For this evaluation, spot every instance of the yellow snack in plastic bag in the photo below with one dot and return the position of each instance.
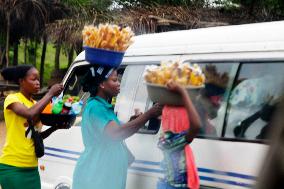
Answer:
(182, 73)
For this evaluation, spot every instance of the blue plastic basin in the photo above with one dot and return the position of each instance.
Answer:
(103, 56)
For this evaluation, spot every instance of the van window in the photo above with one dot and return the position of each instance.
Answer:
(143, 103)
(73, 86)
(128, 91)
(257, 89)
(211, 103)
(132, 96)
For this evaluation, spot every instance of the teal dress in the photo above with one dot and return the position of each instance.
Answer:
(104, 162)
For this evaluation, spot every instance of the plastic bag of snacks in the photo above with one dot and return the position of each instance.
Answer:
(183, 73)
(61, 110)
(105, 44)
(187, 75)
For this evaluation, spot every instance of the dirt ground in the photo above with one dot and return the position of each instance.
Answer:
(2, 135)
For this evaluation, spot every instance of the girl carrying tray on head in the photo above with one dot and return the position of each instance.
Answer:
(105, 159)
(180, 125)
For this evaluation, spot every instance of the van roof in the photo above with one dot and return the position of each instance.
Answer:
(214, 39)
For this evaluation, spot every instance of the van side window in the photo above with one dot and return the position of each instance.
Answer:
(128, 91)
(211, 103)
(257, 90)
(73, 87)
(133, 95)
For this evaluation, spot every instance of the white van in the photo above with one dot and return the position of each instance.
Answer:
(246, 68)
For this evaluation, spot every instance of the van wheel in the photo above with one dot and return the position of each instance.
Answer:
(63, 186)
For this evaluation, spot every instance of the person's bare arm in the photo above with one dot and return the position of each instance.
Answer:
(122, 132)
(193, 116)
(34, 111)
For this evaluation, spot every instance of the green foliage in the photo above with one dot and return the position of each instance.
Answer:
(141, 3)
(265, 8)
(49, 60)
(77, 3)
(99, 5)
(102, 5)
(272, 7)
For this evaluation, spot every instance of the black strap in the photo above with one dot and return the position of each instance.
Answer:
(38, 141)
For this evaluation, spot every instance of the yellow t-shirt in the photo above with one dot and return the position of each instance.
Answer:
(18, 150)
